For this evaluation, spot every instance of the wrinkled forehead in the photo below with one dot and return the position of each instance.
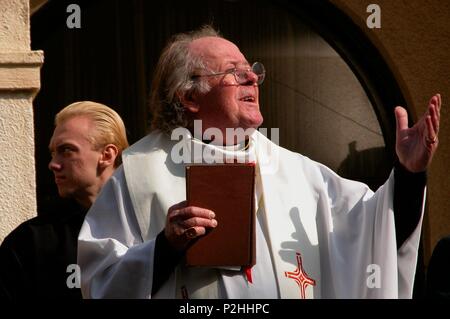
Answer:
(216, 52)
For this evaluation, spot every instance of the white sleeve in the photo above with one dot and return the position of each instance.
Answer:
(363, 241)
(114, 261)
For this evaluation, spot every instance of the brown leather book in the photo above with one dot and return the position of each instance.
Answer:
(228, 190)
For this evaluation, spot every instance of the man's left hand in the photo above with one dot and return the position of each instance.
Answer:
(415, 146)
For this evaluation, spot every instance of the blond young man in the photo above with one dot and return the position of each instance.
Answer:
(38, 259)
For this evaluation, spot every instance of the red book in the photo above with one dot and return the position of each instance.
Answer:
(227, 190)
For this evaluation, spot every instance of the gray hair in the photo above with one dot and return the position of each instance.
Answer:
(173, 78)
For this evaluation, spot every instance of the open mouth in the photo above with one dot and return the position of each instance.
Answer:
(248, 99)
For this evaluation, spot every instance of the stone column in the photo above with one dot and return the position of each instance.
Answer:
(19, 83)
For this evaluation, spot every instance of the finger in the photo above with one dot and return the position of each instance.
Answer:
(431, 134)
(434, 101)
(439, 104)
(197, 221)
(191, 211)
(173, 210)
(401, 117)
(194, 232)
(439, 101)
(177, 206)
(434, 117)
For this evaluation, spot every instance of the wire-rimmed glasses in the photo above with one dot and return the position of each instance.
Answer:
(242, 76)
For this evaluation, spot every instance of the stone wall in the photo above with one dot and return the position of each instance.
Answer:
(19, 83)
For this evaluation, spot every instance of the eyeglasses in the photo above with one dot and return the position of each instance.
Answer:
(242, 75)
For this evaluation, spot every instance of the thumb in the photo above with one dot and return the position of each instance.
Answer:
(401, 117)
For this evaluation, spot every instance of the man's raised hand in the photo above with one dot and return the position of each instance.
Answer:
(415, 146)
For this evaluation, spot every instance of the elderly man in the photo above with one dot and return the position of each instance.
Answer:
(317, 235)
(38, 259)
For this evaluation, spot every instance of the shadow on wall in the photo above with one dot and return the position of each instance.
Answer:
(371, 166)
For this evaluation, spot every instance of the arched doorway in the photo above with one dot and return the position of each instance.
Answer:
(328, 88)
(331, 99)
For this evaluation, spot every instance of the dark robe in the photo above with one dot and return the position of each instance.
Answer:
(438, 275)
(35, 256)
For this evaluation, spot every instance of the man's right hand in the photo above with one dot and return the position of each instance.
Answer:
(184, 223)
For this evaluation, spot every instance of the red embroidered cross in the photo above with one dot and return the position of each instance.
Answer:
(300, 277)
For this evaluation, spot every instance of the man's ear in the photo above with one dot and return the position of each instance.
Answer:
(108, 156)
(189, 101)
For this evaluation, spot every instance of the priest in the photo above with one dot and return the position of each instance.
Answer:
(317, 235)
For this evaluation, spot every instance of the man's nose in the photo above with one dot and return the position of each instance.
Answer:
(54, 165)
(251, 78)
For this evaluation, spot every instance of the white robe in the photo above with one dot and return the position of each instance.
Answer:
(342, 233)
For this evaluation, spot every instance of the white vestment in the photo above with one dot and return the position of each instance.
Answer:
(318, 235)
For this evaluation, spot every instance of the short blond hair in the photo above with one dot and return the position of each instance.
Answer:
(109, 127)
